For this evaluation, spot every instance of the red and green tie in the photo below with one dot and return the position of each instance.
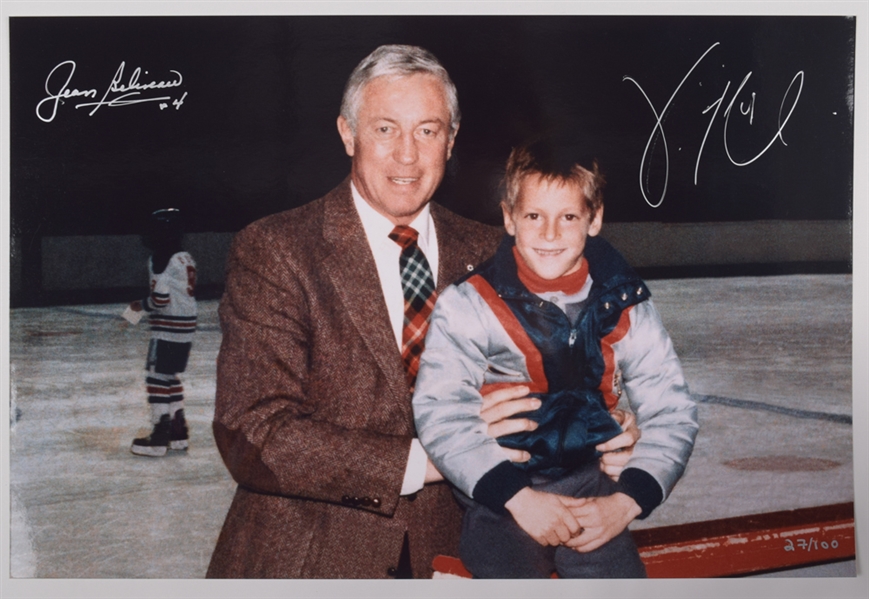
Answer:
(419, 297)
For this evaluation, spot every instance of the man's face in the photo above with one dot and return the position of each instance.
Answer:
(551, 224)
(402, 144)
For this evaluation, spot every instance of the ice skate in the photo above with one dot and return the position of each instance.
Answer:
(155, 444)
(178, 434)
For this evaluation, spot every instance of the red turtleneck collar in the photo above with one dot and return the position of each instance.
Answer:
(568, 284)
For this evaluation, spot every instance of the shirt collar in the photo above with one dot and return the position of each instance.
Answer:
(378, 227)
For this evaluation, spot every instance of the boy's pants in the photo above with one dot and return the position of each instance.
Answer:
(494, 546)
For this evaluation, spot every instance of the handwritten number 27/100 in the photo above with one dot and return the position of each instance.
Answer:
(810, 544)
(658, 128)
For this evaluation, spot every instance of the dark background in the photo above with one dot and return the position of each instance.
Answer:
(256, 131)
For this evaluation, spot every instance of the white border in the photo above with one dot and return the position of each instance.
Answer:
(786, 588)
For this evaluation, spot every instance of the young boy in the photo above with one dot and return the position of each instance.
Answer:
(171, 306)
(558, 311)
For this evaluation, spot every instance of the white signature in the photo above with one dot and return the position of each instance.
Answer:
(118, 93)
(744, 109)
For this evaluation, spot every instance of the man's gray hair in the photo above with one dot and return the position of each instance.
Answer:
(401, 61)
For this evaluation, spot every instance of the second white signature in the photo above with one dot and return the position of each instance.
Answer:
(121, 91)
(786, 108)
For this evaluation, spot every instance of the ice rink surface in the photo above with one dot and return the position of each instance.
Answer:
(767, 358)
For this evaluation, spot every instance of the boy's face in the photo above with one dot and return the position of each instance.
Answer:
(551, 223)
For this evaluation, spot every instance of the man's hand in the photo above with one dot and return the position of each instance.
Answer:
(499, 406)
(601, 519)
(618, 450)
(136, 306)
(544, 516)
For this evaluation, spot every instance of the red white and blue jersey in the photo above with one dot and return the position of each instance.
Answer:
(172, 301)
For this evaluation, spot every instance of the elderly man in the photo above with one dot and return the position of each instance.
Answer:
(323, 320)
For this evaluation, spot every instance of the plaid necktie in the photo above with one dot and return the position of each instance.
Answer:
(419, 297)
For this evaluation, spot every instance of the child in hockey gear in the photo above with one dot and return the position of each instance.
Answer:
(171, 306)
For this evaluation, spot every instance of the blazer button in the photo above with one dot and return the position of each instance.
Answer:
(375, 502)
(391, 571)
(365, 501)
(346, 500)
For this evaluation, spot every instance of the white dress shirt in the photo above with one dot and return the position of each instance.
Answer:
(386, 256)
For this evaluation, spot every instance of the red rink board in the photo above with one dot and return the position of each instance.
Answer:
(749, 544)
(736, 546)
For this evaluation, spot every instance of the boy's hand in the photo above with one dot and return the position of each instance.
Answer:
(499, 406)
(618, 450)
(601, 518)
(544, 516)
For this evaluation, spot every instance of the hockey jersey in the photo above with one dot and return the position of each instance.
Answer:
(172, 302)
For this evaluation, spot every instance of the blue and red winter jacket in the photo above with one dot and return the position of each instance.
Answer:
(489, 331)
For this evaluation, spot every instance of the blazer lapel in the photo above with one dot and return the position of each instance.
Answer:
(453, 254)
(350, 266)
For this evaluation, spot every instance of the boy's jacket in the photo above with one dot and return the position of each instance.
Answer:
(489, 331)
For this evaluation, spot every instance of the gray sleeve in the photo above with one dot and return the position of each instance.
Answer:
(447, 400)
(657, 392)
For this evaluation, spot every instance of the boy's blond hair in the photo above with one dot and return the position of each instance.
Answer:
(554, 161)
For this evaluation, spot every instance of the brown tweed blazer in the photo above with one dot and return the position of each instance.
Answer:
(313, 416)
